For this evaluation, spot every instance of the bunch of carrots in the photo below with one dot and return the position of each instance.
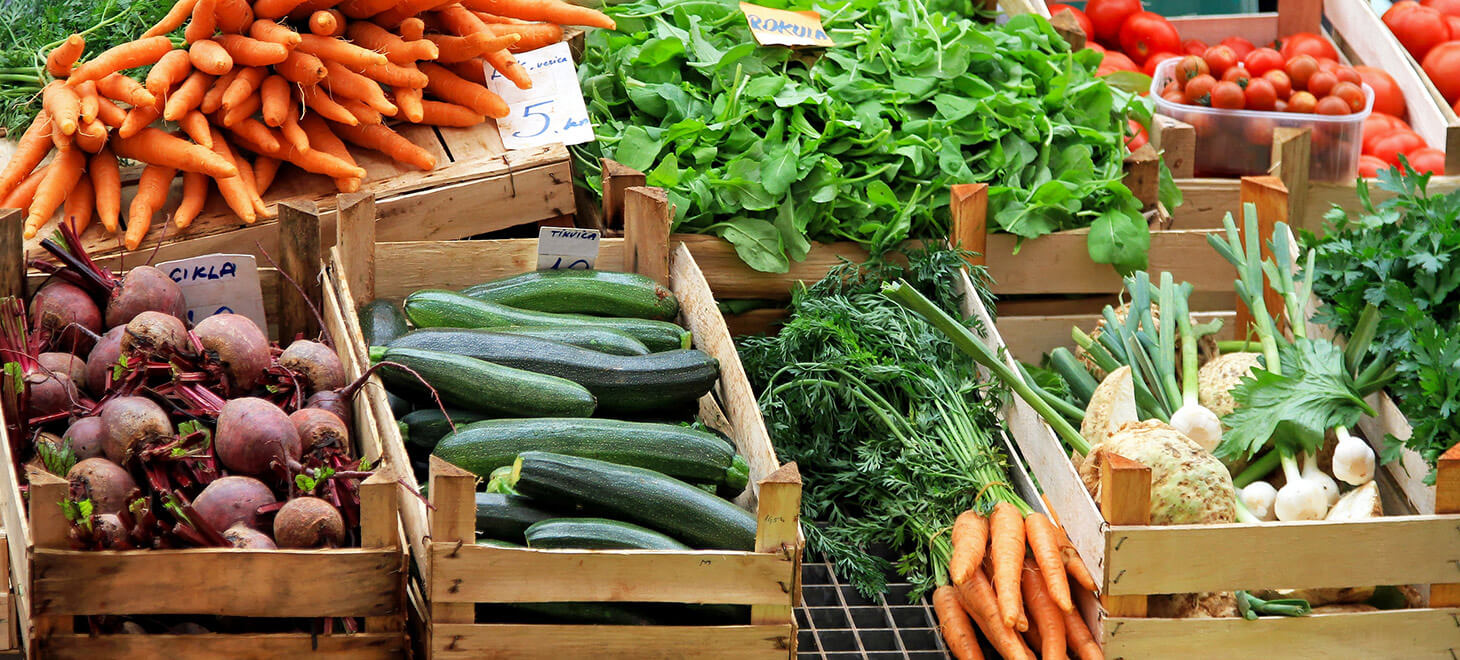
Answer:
(289, 81)
(1010, 573)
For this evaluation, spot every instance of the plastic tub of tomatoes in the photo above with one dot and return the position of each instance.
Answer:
(1235, 113)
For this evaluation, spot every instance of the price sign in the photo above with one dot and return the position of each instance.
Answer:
(219, 284)
(779, 27)
(566, 248)
(552, 111)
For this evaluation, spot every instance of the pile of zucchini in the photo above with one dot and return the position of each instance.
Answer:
(570, 394)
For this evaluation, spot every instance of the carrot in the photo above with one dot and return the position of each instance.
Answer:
(363, 113)
(121, 57)
(412, 29)
(365, 8)
(450, 87)
(339, 50)
(63, 57)
(89, 99)
(1044, 545)
(187, 97)
(1079, 639)
(978, 599)
(154, 146)
(231, 186)
(265, 168)
(106, 186)
(302, 68)
(61, 177)
(79, 205)
(109, 113)
(293, 133)
(151, 193)
(311, 160)
(194, 193)
(33, 146)
(319, 101)
(302, 11)
(493, 19)
(346, 83)
(21, 197)
(239, 112)
(503, 62)
(471, 70)
(214, 98)
(394, 75)
(118, 87)
(172, 21)
(970, 540)
(245, 173)
(234, 16)
(139, 118)
(395, 49)
(210, 56)
(388, 142)
(437, 113)
(195, 125)
(274, 33)
(243, 86)
(460, 21)
(63, 104)
(954, 624)
(91, 136)
(274, 9)
(547, 11)
(456, 49)
(327, 23)
(169, 71)
(1073, 565)
(275, 97)
(204, 23)
(248, 51)
(409, 101)
(406, 9)
(259, 134)
(1006, 550)
(534, 35)
(1047, 617)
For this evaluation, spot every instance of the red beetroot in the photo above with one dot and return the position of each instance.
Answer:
(144, 289)
(319, 428)
(231, 501)
(150, 330)
(102, 358)
(59, 304)
(49, 393)
(109, 533)
(107, 484)
(248, 538)
(65, 363)
(333, 401)
(241, 347)
(308, 522)
(86, 437)
(253, 434)
(318, 365)
(130, 423)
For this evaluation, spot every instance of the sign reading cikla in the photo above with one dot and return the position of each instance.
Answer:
(219, 284)
(780, 27)
(552, 111)
(566, 248)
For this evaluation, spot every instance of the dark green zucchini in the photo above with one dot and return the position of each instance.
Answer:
(597, 534)
(507, 517)
(422, 429)
(381, 321)
(600, 293)
(434, 308)
(603, 340)
(481, 386)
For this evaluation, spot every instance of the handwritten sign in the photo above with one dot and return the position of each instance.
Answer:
(779, 27)
(219, 284)
(552, 111)
(566, 248)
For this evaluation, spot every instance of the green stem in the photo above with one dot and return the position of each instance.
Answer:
(1244, 515)
(1257, 469)
(1236, 346)
(1188, 353)
(1068, 409)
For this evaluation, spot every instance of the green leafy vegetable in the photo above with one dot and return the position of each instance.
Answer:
(1314, 393)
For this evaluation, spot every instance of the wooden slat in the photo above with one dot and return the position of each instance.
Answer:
(1143, 175)
(1125, 499)
(12, 276)
(1270, 197)
(453, 531)
(18, 535)
(1421, 634)
(730, 278)
(239, 647)
(300, 259)
(1447, 501)
(647, 216)
(778, 531)
(969, 207)
(1409, 471)
(1257, 28)
(1177, 142)
(1292, 150)
(355, 240)
(1299, 16)
(617, 179)
(1060, 263)
(559, 642)
(50, 530)
(401, 268)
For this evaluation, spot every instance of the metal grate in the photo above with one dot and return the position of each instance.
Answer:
(835, 622)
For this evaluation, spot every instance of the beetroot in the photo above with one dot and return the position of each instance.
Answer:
(64, 363)
(109, 533)
(233, 500)
(319, 428)
(332, 401)
(131, 422)
(241, 347)
(59, 304)
(106, 483)
(144, 289)
(253, 434)
(150, 330)
(308, 522)
(86, 436)
(49, 393)
(318, 365)
(102, 358)
(248, 538)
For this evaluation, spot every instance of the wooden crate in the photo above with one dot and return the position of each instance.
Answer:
(53, 584)
(456, 573)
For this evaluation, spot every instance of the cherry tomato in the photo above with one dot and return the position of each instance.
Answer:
(1171, 86)
(1190, 67)
(1417, 27)
(1262, 60)
(1237, 75)
(1135, 136)
(1329, 65)
(1427, 160)
(1198, 90)
(1116, 61)
(1174, 97)
(1300, 69)
(1219, 59)
(1085, 25)
(1302, 102)
(1452, 21)
(1387, 97)
(1321, 83)
(1332, 105)
(1378, 125)
(1196, 46)
(1260, 94)
(1281, 84)
(1108, 15)
(1446, 7)
(1390, 146)
(1155, 60)
(1239, 46)
(1351, 94)
(1281, 106)
(1348, 74)
(1370, 166)
(1307, 43)
(1258, 130)
(1227, 95)
(1146, 33)
(1442, 65)
(1091, 45)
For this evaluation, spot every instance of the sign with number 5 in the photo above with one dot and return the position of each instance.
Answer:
(552, 111)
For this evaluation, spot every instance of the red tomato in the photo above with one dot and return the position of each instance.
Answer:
(1417, 27)
(1219, 59)
(1239, 46)
(1258, 130)
(1155, 60)
(1370, 166)
(1260, 94)
(1108, 15)
(1446, 7)
(1174, 97)
(1282, 105)
(1348, 74)
(1300, 69)
(1378, 125)
(1146, 33)
(1190, 67)
(1262, 60)
(1136, 136)
(1351, 94)
(1427, 160)
(1116, 61)
(1329, 65)
(1170, 87)
(1321, 83)
(1094, 46)
(1281, 83)
(1442, 65)
(1080, 17)
(1237, 75)
(1332, 105)
(1452, 21)
(1307, 43)
(1198, 90)
(1389, 147)
(1302, 102)
(1387, 97)
(1228, 95)
(1197, 46)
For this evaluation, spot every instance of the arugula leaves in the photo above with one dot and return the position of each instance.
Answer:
(770, 148)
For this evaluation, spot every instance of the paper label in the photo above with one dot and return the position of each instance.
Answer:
(552, 111)
(566, 248)
(219, 284)
(779, 27)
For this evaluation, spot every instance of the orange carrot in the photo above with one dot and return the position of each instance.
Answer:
(406, 9)
(409, 101)
(79, 206)
(63, 57)
(247, 51)
(239, 112)
(493, 19)
(243, 86)
(63, 104)
(320, 102)
(339, 50)
(364, 114)
(457, 49)
(274, 33)
(234, 16)
(1079, 639)
(194, 193)
(302, 11)
(1045, 614)
(118, 87)
(169, 71)
(106, 185)
(503, 62)
(152, 190)
(91, 136)
(245, 173)
(471, 70)
(231, 187)
(204, 23)
(450, 87)
(294, 134)
(395, 49)
(534, 35)
(302, 68)
(33, 146)
(327, 23)
(187, 97)
(437, 113)
(21, 197)
(139, 118)
(273, 9)
(343, 82)
(954, 624)
(159, 148)
(365, 8)
(1006, 549)
(1044, 545)
(412, 29)
(394, 75)
(970, 540)
(978, 599)
(547, 11)
(90, 100)
(275, 97)
(265, 168)
(388, 142)
(214, 98)
(121, 57)
(460, 21)
(1073, 565)
(257, 133)
(311, 160)
(195, 125)
(172, 21)
(61, 177)
(109, 113)
(210, 56)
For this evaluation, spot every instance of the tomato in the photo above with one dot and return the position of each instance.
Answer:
(1155, 60)
(1453, 23)
(1303, 102)
(1370, 166)
(1116, 61)
(1329, 65)
(1262, 60)
(1196, 46)
(1280, 83)
(1351, 94)
(1378, 125)
(1219, 59)
(1258, 130)
(1227, 95)
(1387, 97)
(1107, 16)
(1260, 94)
(1198, 90)
(1190, 67)
(1146, 33)
(1307, 43)
(1136, 135)
(1281, 106)
(1347, 74)
(1094, 46)
(1321, 83)
(1239, 46)
(1174, 97)
(1446, 7)
(1390, 146)
(1442, 65)
(1171, 86)
(1300, 69)
(1417, 27)
(1080, 17)
(1427, 160)
(1332, 105)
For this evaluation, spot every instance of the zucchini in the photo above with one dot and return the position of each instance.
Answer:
(603, 340)
(677, 451)
(480, 386)
(597, 534)
(434, 308)
(423, 428)
(646, 497)
(381, 321)
(601, 293)
(506, 517)
(398, 406)
(620, 383)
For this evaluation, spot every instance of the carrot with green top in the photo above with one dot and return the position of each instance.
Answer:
(30, 150)
(970, 540)
(231, 187)
(265, 168)
(365, 8)
(458, 49)
(157, 147)
(507, 65)
(138, 119)
(110, 113)
(327, 23)
(339, 50)
(1044, 545)
(90, 100)
(394, 75)
(1074, 566)
(364, 114)
(295, 135)
(319, 101)
(91, 136)
(238, 113)
(256, 132)
(1045, 616)
(324, 141)
(195, 125)
(979, 600)
(395, 49)
(460, 21)
(63, 57)
(194, 194)
(547, 11)
(243, 86)
(61, 177)
(21, 197)
(534, 35)
(172, 69)
(954, 624)
(410, 103)
(274, 9)
(234, 16)
(213, 100)
(406, 9)
(106, 187)
(302, 69)
(1079, 639)
(121, 57)
(439, 113)
(275, 96)
(1006, 552)
(346, 83)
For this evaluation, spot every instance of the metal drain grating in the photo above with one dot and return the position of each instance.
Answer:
(835, 622)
